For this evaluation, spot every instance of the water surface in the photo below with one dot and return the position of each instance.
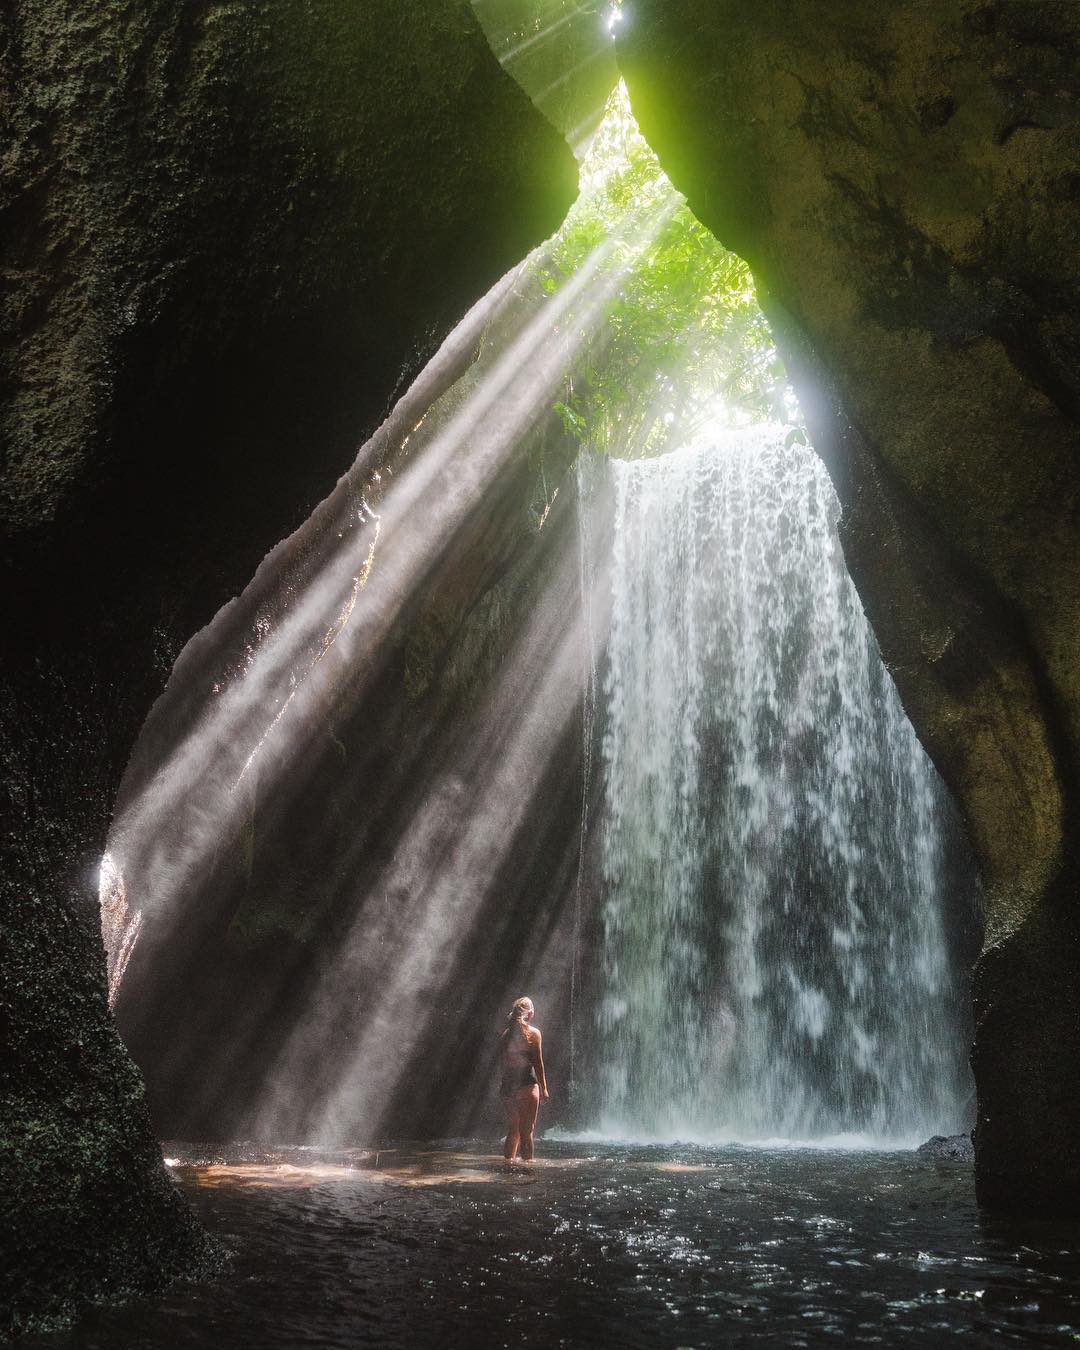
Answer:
(600, 1245)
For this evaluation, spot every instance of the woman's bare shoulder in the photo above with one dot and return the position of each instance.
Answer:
(534, 1034)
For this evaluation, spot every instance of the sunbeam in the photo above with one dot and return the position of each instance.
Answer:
(336, 614)
(431, 654)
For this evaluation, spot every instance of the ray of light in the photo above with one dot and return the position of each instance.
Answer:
(439, 878)
(544, 35)
(574, 71)
(307, 661)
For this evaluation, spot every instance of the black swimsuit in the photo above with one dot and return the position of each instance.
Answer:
(515, 1077)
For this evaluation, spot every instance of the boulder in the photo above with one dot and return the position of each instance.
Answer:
(951, 1147)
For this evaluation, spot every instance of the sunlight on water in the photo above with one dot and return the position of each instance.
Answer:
(850, 1141)
(599, 1244)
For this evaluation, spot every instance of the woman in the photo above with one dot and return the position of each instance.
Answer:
(524, 1085)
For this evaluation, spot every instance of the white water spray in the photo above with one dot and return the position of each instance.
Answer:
(774, 955)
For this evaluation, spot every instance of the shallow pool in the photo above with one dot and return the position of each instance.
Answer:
(600, 1245)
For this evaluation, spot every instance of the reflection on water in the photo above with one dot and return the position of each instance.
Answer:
(596, 1245)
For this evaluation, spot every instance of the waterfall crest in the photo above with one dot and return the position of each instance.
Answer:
(774, 959)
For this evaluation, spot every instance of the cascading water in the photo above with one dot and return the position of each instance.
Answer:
(774, 954)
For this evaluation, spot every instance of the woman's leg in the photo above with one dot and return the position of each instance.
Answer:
(528, 1105)
(513, 1129)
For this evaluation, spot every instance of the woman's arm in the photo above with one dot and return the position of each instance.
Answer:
(538, 1063)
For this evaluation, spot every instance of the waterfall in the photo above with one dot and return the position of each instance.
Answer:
(774, 955)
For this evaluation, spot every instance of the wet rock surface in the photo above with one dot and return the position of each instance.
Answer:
(955, 1147)
(231, 233)
(902, 185)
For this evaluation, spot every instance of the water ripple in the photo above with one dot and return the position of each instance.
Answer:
(634, 1248)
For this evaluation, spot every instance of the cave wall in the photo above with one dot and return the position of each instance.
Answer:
(903, 182)
(369, 837)
(231, 232)
(561, 54)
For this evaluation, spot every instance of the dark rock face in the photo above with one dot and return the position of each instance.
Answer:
(231, 232)
(904, 185)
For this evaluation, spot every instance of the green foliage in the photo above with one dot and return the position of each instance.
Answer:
(683, 341)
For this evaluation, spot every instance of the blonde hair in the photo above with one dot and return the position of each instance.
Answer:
(519, 1010)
